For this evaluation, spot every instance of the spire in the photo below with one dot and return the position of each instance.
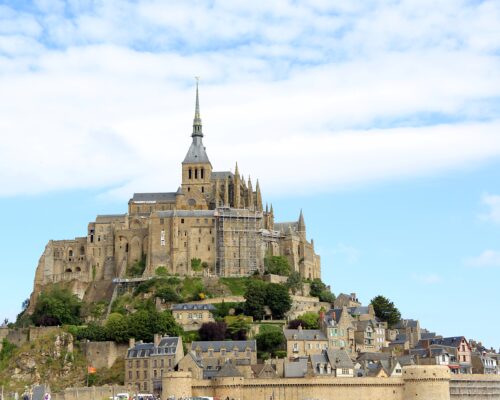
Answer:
(258, 197)
(197, 128)
(251, 205)
(236, 171)
(301, 226)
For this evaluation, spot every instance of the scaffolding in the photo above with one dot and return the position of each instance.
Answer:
(238, 241)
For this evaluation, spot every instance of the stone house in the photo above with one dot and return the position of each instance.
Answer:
(264, 371)
(346, 300)
(215, 354)
(304, 342)
(332, 362)
(338, 326)
(410, 330)
(461, 349)
(369, 335)
(146, 363)
(482, 363)
(192, 315)
(436, 355)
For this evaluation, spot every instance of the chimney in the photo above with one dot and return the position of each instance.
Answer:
(321, 316)
(300, 327)
(131, 343)
(157, 339)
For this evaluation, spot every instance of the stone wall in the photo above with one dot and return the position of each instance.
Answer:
(476, 387)
(90, 393)
(103, 354)
(428, 383)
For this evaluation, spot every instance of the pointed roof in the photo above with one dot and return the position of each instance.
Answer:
(197, 153)
(301, 224)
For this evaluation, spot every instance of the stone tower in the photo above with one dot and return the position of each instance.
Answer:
(196, 167)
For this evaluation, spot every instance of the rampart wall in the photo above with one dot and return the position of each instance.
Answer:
(89, 393)
(417, 382)
(475, 387)
(103, 354)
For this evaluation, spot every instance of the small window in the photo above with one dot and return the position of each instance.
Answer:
(202, 173)
(190, 173)
(182, 220)
(202, 189)
(196, 173)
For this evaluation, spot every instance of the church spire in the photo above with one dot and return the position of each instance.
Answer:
(197, 127)
(301, 228)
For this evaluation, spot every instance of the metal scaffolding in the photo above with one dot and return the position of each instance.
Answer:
(238, 238)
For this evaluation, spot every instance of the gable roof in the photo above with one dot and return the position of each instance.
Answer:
(453, 341)
(304, 334)
(192, 307)
(228, 345)
(296, 369)
(167, 197)
(228, 370)
(339, 359)
(167, 345)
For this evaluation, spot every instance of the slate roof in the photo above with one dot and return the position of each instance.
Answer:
(358, 310)
(221, 175)
(228, 370)
(453, 341)
(186, 213)
(304, 334)
(339, 359)
(168, 345)
(296, 369)
(168, 197)
(259, 368)
(228, 345)
(192, 307)
(333, 314)
(285, 226)
(196, 153)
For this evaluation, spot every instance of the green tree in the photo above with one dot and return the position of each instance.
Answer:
(161, 271)
(57, 307)
(238, 327)
(278, 300)
(277, 265)
(385, 310)
(116, 328)
(310, 320)
(168, 294)
(92, 332)
(255, 296)
(270, 341)
(294, 282)
(320, 290)
(196, 264)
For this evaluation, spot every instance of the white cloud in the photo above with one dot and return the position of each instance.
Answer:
(341, 94)
(427, 279)
(493, 203)
(488, 258)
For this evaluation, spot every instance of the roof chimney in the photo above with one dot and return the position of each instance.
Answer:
(131, 343)
(300, 327)
(157, 339)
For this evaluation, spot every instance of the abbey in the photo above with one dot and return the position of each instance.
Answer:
(215, 220)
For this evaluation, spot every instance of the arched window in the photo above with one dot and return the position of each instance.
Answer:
(202, 173)
(82, 251)
(126, 248)
(70, 253)
(190, 173)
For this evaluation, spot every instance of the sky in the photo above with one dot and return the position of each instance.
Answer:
(380, 119)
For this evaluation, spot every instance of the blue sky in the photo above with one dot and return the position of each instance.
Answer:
(379, 118)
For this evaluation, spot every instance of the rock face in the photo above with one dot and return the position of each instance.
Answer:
(50, 357)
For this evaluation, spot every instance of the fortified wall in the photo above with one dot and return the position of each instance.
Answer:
(417, 382)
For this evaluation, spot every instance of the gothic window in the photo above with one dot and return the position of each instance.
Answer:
(190, 173)
(196, 173)
(202, 173)
(82, 251)
(70, 253)
(126, 248)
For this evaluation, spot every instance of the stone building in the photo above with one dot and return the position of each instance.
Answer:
(192, 315)
(338, 325)
(146, 363)
(215, 354)
(304, 342)
(215, 219)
